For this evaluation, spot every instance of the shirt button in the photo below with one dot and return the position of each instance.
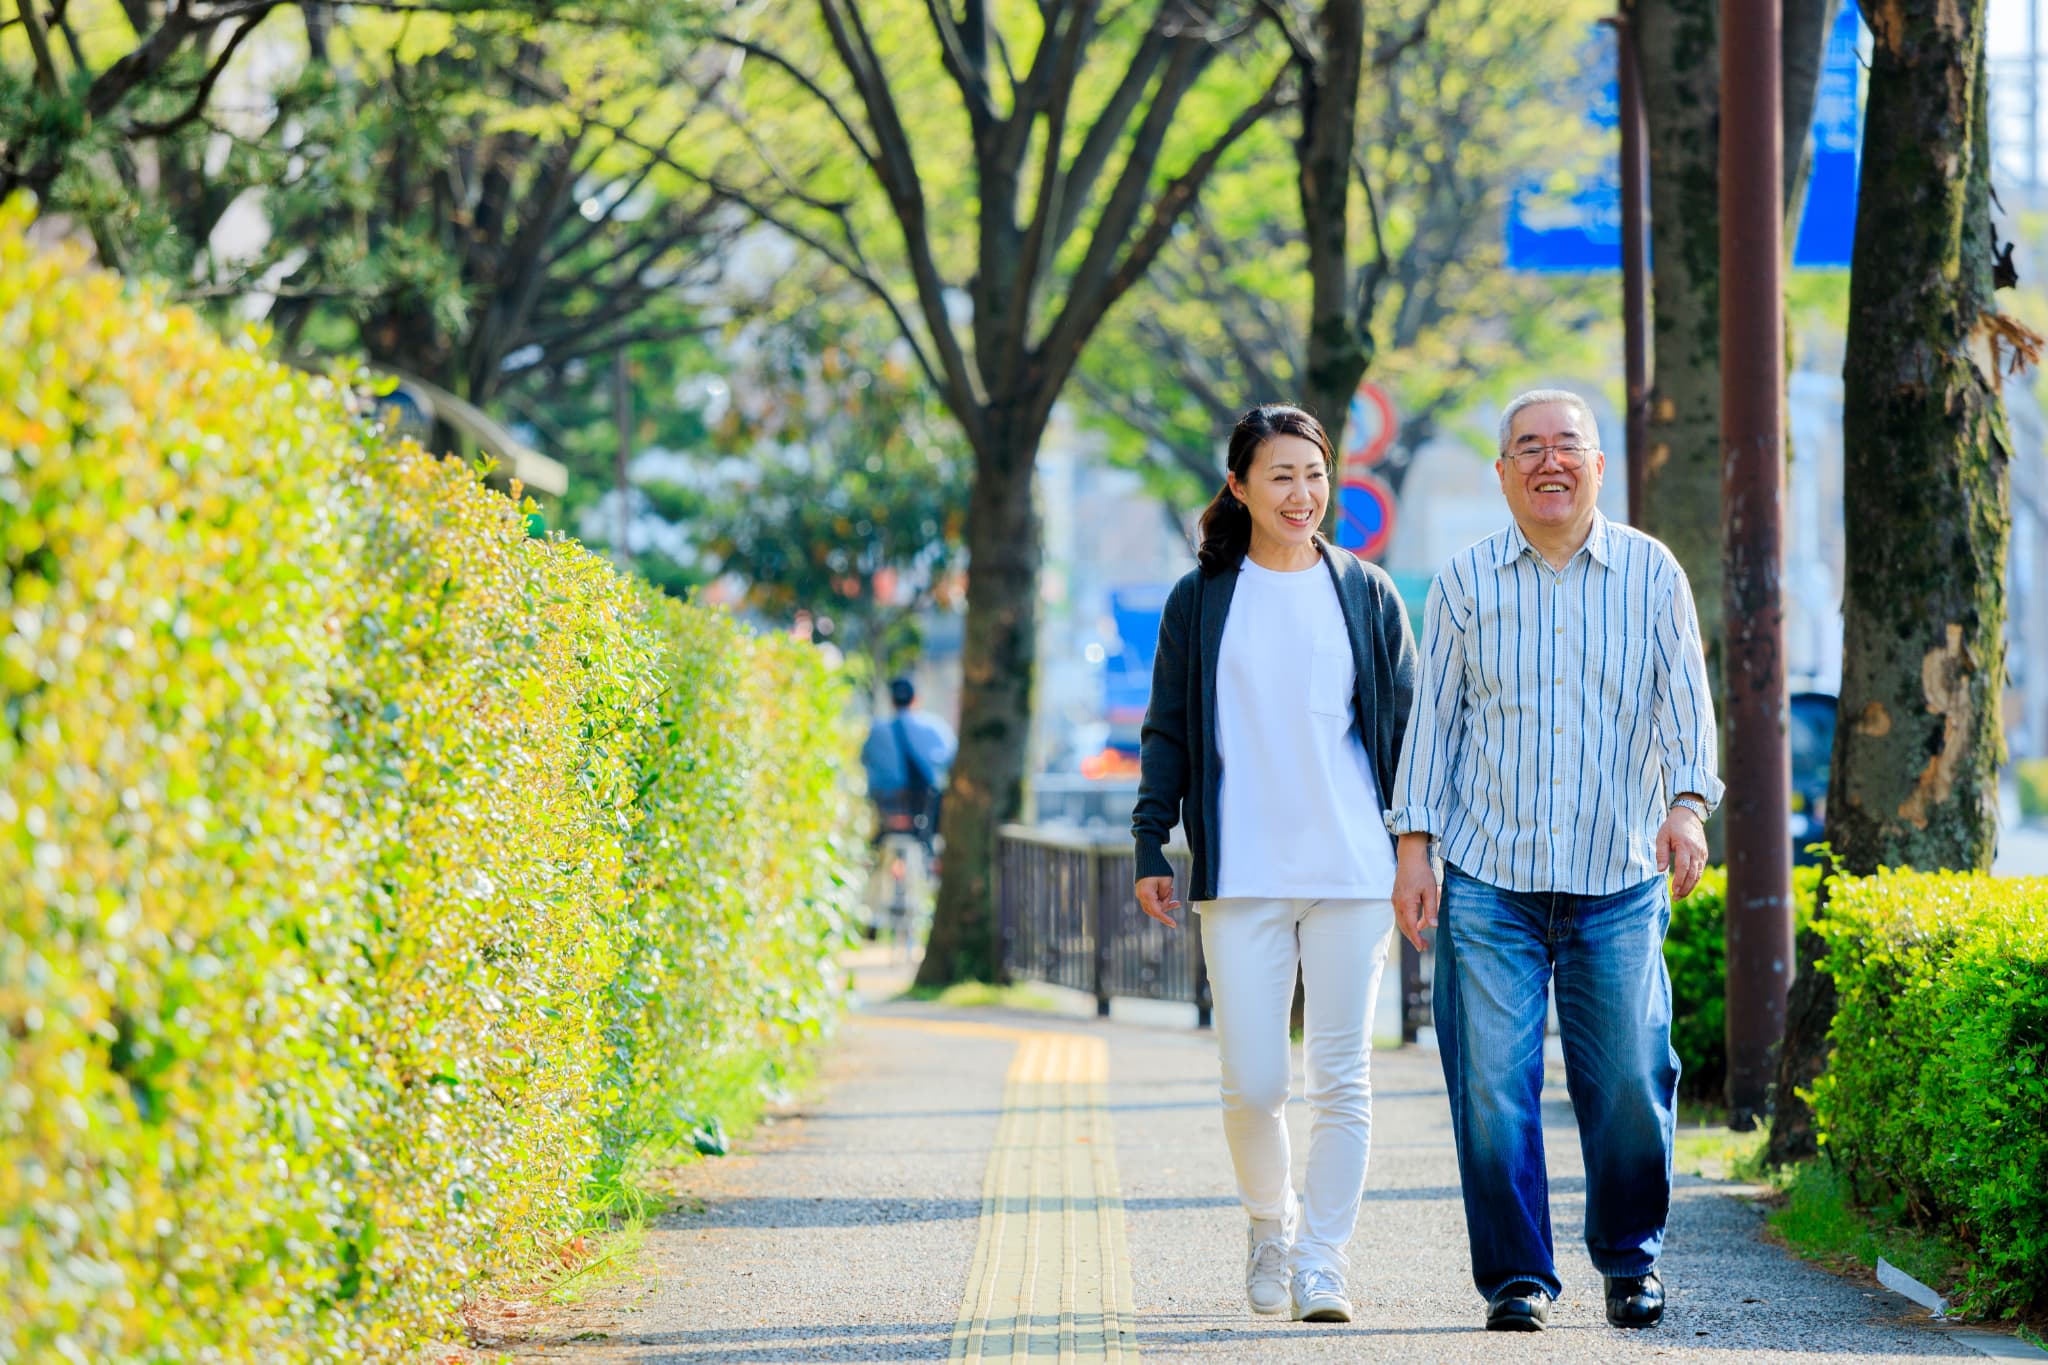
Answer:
(1557, 730)
(1557, 630)
(1557, 682)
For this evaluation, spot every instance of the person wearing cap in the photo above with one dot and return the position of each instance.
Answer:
(1279, 690)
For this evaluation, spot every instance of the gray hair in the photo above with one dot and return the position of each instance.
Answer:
(1535, 396)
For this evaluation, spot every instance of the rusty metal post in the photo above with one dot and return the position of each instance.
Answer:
(1759, 904)
(1635, 261)
(1411, 987)
(1105, 929)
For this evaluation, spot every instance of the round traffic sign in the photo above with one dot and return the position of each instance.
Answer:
(1365, 515)
(1369, 425)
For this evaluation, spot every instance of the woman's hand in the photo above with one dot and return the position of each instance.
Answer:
(1155, 898)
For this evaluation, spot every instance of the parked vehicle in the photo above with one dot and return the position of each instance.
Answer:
(1813, 744)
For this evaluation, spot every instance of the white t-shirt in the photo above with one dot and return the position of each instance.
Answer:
(1300, 811)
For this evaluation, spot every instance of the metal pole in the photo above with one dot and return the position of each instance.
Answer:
(1635, 261)
(1105, 930)
(2033, 98)
(1759, 905)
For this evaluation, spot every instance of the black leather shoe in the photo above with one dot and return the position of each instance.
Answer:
(1523, 1306)
(1635, 1300)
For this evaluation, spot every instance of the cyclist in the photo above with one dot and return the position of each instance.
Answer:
(908, 758)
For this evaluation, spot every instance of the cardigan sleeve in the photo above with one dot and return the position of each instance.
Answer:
(1398, 639)
(1163, 758)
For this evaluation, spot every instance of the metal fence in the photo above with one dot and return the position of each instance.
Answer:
(1069, 916)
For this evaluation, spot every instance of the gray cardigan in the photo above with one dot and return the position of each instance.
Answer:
(1180, 776)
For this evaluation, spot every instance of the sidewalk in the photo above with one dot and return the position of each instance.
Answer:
(875, 1225)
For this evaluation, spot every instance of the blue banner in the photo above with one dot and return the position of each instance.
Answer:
(1578, 227)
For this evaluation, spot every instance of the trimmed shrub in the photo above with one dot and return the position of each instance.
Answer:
(375, 880)
(1936, 1094)
(1696, 954)
(2033, 781)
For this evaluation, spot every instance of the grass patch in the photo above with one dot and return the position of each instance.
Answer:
(1816, 1219)
(1713, 1151)
(1018, 995)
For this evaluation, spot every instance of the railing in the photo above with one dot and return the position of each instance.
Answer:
(1057, 892)
(1069, 916)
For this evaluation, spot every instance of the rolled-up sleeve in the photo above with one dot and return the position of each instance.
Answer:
(1422, 785)
(1683, 707)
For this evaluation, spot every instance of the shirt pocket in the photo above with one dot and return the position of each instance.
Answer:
(1330, 678)
(1625, 678)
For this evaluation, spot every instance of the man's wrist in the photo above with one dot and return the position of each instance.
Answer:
(1692, 805)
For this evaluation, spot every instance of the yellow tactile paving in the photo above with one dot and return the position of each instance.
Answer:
(1051, 1275)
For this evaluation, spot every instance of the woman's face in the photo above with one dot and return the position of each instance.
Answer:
(1287, 490)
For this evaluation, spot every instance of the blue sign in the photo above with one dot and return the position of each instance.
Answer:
(1127, 670)
(1827, 228)
(1578, 227)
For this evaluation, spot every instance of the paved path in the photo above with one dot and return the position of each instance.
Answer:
(972, 1184)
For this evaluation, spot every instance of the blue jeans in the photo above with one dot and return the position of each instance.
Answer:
(1496, 951)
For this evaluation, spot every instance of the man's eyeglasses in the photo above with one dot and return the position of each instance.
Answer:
(1570, 454)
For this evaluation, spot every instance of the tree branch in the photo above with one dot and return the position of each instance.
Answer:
(204, 91)
(896, 168)
(1090, 298)
(967, 77)
(809, 85)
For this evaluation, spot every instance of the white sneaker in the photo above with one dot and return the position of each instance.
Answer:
(1319, 1296)
(1265, 1275)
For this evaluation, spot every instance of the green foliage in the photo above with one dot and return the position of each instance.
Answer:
(373, 876)
(1696, 954)
(845, 484)
(1820, 1220)
(1446, 131)
(2033, 780)
(1935, 1101)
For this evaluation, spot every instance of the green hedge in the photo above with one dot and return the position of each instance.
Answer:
(2033, 783)
(1936, 1092)
(1696, 953)
(374, 879)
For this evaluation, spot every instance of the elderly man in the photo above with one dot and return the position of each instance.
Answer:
(1561, 756)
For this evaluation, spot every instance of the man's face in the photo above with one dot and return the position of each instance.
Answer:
(1545, 482)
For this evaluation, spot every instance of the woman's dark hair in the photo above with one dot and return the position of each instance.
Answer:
(1226, 522)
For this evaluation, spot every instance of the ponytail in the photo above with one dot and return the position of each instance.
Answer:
(1226, 533)
(1226, 523)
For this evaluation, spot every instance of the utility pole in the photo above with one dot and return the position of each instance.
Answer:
(2033, 100)
(1759, 848)
(1635, 261)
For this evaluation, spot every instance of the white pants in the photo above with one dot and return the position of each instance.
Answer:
(1253, 948)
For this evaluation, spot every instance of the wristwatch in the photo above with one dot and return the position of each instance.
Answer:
(1691, 803)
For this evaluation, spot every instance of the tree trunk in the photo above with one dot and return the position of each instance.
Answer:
(1339, 348)
(998, 662)
(1914, 781)
(1678, 43)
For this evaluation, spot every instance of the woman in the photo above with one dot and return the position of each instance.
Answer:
(1279, 692)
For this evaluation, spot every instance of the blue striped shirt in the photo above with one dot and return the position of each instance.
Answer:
(1556, 713)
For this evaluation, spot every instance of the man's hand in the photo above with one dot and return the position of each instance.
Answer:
(1155, 898)
(1682, 848)
(1415, 890)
